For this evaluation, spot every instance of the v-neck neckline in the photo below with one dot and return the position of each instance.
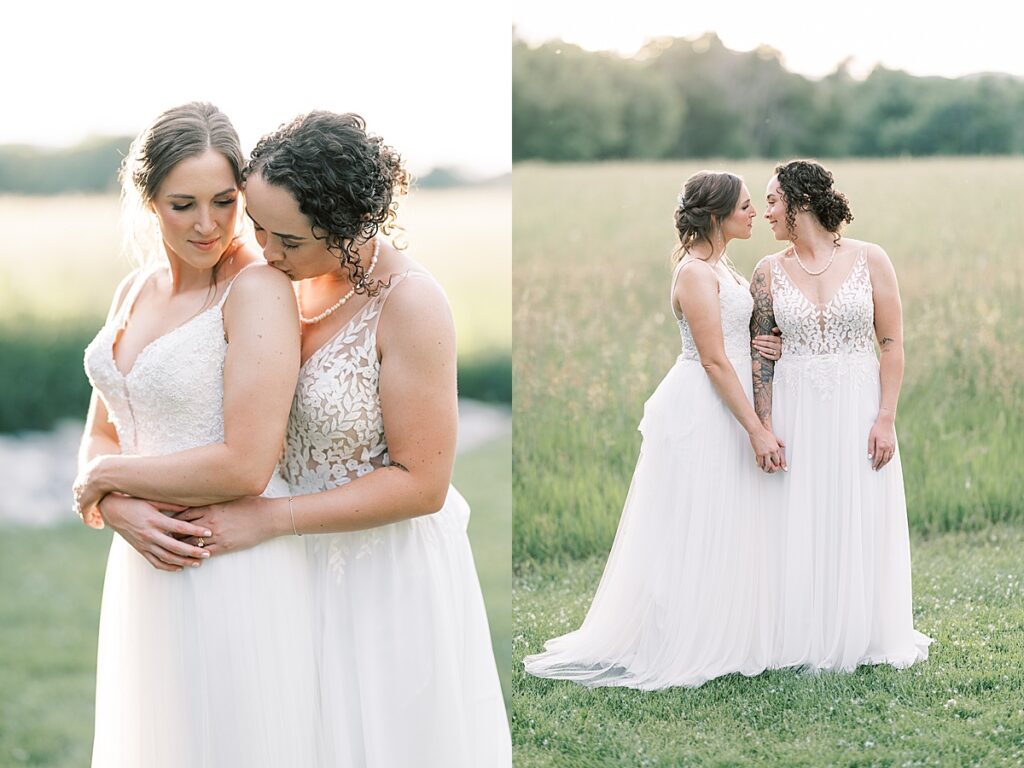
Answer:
(835, 295)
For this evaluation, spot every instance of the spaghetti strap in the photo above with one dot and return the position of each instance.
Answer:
(398, 279)
(142, 275)
(231, 282)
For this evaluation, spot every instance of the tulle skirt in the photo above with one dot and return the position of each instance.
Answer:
(845, 595)
(689, 590)
(407, 671)
(210, 667)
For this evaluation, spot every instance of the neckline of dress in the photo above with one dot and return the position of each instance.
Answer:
(337, 334)
(853, 268)
(154, 342)
(128, 313)
(393, 281)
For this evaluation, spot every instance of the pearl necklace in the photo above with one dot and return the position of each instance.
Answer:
(341, 302)
(820, 271)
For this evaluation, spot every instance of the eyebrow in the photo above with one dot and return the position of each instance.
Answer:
(227, 191)
(282, 235)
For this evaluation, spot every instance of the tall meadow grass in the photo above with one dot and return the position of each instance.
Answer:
(594, 334)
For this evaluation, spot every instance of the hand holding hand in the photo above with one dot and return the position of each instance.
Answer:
(239, 524)
(770, 452)
(154, 534)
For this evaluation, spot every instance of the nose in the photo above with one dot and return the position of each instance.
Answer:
(271, 254)
(205, 223)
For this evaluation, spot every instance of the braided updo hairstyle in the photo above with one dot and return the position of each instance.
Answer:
(706, 199)
(346, 181)
(807, 185)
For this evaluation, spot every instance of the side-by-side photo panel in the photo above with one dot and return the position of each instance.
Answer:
(256, 429)
(768, 395)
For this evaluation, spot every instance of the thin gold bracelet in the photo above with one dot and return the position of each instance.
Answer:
(291, 513)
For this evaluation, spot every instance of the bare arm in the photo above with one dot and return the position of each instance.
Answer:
(419, 404)
(260, 372)
(889, 332)
(697, 294)
(762, 321)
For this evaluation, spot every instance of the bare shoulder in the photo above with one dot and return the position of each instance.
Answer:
(415, 298)
(257, 279)
(879, 264)
(695, 274)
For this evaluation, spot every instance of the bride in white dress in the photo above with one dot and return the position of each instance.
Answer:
(407, 672)
(841, 535)
(211, 666)
(688, 592)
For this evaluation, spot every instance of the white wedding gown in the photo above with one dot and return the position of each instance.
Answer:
(688, 592)
(842, 536)
(210, 667)
(407, 672)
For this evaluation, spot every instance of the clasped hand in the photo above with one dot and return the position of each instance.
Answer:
(769, 451)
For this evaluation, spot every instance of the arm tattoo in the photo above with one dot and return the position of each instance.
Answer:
(762, 320)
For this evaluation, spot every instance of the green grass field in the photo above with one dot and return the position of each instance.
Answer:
(49, 617)
(962, 707)
(63, 261)
(594, 334)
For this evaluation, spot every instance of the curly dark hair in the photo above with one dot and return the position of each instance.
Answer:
(707, 198)
(345, 180)
(808, 185)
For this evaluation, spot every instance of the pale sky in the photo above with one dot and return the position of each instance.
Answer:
(432, 78)
(923, 38)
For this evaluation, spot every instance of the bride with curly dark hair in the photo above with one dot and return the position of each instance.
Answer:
(845, 590)
(406, 667)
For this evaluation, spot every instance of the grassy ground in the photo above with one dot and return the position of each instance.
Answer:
(594, 334)
(49, 617)
(963, 707)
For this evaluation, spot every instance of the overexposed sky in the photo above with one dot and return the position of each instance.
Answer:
(945, 39)
(434, 79)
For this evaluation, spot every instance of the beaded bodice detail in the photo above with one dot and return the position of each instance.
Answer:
(172, 399)
(336, 429)
(736, 304)
(843, 325)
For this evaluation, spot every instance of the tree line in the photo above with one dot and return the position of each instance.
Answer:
(682, 98)
(92, 166)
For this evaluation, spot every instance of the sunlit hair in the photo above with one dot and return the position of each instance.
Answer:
(808, 185)
(346, 182)
(707, 198)
(178, 134)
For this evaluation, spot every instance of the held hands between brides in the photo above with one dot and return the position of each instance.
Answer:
(153, 533)
(770, 452)
(238, 524)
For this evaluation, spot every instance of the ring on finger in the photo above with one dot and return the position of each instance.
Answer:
(201, 542)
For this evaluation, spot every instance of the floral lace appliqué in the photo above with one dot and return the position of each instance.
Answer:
(336, 429)
(736, 304)
(830, 342)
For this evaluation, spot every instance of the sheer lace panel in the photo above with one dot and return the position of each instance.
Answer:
(844, 325)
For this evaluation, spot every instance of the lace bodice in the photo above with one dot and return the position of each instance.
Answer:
(172, 399)
(844, 325)
(336, 430)
(736, 305)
